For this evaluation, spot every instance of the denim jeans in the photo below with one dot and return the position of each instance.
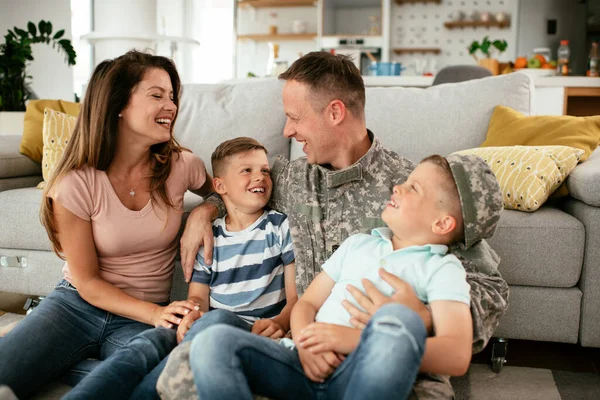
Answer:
(229, 363)
(60, 335)
(133, 370)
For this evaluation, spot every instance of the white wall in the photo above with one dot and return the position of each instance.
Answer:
(51, 77)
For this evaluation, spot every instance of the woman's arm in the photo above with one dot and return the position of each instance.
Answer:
(76, 239)
(449, 351)
(206, 189)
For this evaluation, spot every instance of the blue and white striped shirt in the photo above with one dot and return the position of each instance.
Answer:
(246, 276)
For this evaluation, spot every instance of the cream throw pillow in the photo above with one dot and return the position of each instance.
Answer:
(528, 174)
(56, 132)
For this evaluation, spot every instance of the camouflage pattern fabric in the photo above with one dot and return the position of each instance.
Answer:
(480, 196)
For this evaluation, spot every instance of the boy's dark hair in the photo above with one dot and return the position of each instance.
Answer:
(329, 77)
(228, 148)
(451, 198)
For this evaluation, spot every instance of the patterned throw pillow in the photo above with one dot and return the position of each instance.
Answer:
(56, 132)
(528, 174)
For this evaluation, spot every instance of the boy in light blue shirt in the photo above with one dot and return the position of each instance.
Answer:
(453, 201)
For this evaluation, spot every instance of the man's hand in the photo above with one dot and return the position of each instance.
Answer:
(186, 323)
(319, 337)
(318, 367)
(268, 328)
(404, 294)
(197, 232)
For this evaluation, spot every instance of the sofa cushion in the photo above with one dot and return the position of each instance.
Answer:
(509, 127)
(445, 118)
(20, 216)
(12, 163)
(544, 248)
(528, 174)
(211, 114)
(584, 181)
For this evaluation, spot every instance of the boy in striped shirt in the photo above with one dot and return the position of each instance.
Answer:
(251, 282)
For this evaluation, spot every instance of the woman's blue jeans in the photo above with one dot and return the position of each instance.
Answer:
(133, 371)
(58, 335)
(229, 363)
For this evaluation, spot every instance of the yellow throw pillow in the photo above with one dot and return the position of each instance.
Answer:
(528, 174)
(31, 142)
(57, 130)
(510, 128)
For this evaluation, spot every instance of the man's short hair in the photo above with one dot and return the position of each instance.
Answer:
(450, 199)
(329, 77)
(228, 148)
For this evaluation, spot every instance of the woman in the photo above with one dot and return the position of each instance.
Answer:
(112, 209)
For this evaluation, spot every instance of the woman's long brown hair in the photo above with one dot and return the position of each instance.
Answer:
(94, 139)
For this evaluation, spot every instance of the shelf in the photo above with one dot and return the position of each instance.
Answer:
(408, 50)
(476, 24)
(401, 2)
(283, 36)
(276, 3)
(93, 37)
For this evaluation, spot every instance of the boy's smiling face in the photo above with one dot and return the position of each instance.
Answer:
(414, 211)
(247, 183)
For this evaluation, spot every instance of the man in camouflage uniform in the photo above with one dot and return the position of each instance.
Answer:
(340, 188)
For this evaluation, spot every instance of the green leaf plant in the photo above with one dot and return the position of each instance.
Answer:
(487, 47)
(16, 52)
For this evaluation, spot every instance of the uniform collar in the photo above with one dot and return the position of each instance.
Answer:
(386, 235)
(354, 172)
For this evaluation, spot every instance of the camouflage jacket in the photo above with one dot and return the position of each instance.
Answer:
(324, 207)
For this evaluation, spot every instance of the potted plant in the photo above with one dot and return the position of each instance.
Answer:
(15, 53)
(488, 47)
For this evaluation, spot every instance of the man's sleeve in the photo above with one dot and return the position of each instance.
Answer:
(216, 201)
(489, 291)
(279, 175)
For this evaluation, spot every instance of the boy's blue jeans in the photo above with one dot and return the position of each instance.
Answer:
(229, 363)
(57, 338)
(133, 370)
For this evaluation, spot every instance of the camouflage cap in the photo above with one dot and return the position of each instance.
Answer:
(480, 196)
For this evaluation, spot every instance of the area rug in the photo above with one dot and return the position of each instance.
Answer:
(480, 383)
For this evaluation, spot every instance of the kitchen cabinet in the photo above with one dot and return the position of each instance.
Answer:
(352, 17)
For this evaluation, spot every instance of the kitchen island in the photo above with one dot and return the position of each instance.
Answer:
(554, 95)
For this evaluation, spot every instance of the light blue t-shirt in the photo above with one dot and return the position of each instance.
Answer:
(433, 274)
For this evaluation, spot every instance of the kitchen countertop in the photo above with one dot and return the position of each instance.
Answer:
(425, 81)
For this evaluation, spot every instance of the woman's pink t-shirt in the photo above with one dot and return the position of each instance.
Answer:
(136, 249)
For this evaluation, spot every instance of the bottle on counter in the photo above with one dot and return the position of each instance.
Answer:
(563, 54)
(275, 66)
(593, 61)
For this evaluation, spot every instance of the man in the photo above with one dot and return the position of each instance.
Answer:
(339, 189)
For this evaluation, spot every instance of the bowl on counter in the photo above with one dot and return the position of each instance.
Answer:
(537, 72)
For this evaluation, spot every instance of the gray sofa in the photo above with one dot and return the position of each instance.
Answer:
(550, 258)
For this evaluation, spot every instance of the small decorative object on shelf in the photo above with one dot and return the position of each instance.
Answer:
(488, 47)
(409, 50)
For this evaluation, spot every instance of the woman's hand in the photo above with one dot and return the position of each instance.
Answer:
(320, 337)
(403, 294)
(170, 315)
(197, 232)
(186, 323)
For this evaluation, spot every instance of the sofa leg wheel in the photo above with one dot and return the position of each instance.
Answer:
(499, 349)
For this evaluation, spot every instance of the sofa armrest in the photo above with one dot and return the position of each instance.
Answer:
(584, 181)
(12, 163)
